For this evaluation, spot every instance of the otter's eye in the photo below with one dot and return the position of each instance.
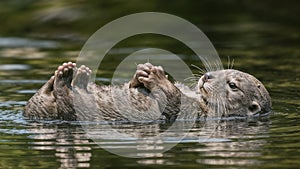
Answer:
(232, 85)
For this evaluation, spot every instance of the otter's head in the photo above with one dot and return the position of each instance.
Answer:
(234, 93)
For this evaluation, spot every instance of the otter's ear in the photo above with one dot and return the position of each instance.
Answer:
(254, 107)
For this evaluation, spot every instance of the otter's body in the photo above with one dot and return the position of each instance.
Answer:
(69, 95)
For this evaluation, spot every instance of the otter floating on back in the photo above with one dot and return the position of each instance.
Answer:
(69, 95)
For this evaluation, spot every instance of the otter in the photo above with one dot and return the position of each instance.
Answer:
(148, 96)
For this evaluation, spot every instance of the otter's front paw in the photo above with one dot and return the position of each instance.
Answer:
(156, 78)
(143, 70)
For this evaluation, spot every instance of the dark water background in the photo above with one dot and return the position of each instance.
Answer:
(262, 37)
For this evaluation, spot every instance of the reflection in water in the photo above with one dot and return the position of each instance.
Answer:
(244, 147)
(71, 147)
(229, 141)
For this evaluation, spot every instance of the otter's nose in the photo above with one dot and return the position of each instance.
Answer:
(206, 77)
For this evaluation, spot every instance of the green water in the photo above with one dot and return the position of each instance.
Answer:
(263, 38)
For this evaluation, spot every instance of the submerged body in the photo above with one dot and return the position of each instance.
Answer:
(69, 95)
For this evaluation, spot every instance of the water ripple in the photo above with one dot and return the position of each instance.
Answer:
(22, 81)
(23, 42)
(14, 67)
